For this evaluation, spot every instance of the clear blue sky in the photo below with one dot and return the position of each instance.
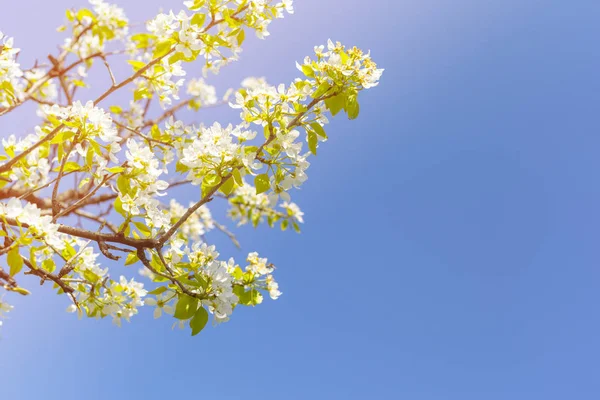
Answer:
(451, 245)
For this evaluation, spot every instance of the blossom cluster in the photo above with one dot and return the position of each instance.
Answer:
(39, 226)
(91, 29)
(82, 125)
(213, 284)
(215, 150)
(10, 71)
(162, 80)
(175, 38)
(246, 206)
(34, 169)
(196, 226)
(92, 290)
(339, 66)
(139, 185)
(203, 93)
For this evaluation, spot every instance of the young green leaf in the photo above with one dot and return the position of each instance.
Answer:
(312, 142)
(186, 307)
(198, 322)
(14, 260)
(262, 183)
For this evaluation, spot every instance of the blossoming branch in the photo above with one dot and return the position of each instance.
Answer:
(93, 180)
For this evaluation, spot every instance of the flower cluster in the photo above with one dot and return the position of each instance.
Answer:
(81, 126)
(139, 185)
(339, 66)
(34, 169)
(185, 37)
(334, 81)
(214, 151)
(216, 285)
(91, 29)
(40, 227)
(249, 207)
(261, 273)
(161, 80)
(204, 94)
(196, 226)
(91, 288)
(119, 300)
(10, 72)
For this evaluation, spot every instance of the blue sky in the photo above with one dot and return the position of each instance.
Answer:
(450, 249)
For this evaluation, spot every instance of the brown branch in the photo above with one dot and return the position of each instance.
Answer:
(97, 236)
(125, 82)
(96, 218)
(112, 76)
(46, 276)
(229, 234)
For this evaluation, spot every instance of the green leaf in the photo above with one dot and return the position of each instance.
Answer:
(142, 39)
(158, 290)
(49, 265)
(308, 71)
(262, 183)
(155, 131)
(251, 298)
(198, 19)
(209, 182)
(321, 90)
(237, 176)
(197, 5)
(163, 48)
(115, 109)
(62, 137)
(318, 129)
(132, 258)
(312, 142)
(335, 104)
(345, 57)
(71, 166)
(141, 93)
(237, 273)
(212, 180)
(137, 65)
(118, 205)
(84, 12)
(240, 37)
(176, 57)
(352, 107)
(228, 186)
(186, 307)
(198, 322)
(115, 170)
(142, 228)
(123, 184)
(78, 83)
(14, 260)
